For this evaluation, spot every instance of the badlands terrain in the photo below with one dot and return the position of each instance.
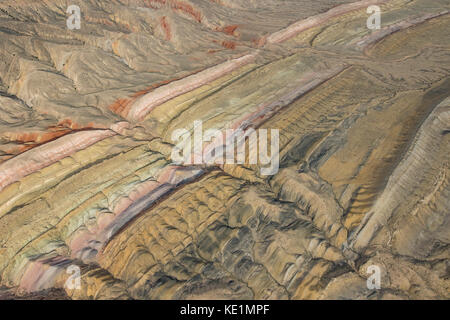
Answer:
(88, 183)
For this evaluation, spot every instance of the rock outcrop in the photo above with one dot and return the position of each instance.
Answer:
(88, 179)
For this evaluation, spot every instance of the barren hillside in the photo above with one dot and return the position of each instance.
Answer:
(87, 171)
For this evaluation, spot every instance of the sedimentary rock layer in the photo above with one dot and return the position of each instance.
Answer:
(87, 176)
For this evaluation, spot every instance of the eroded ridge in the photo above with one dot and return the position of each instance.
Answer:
(87, 177)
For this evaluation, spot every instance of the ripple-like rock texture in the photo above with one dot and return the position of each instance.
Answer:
(87, 177)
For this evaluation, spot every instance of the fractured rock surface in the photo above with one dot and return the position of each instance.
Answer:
(87, 177)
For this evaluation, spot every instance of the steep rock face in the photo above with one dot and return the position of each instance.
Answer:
(87, 176)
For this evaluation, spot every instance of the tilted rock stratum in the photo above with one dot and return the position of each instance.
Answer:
(87, 177)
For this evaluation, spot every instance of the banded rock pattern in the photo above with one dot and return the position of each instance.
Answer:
(87, 179)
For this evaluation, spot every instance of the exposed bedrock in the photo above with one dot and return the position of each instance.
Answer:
(89, 183)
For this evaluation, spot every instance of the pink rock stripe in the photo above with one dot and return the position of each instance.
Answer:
(41, 274)
(42, 156)
(313, 21)
(140, 191)
(377, 36)
(166, 176)
(141, 107)
(305, 84)
(87, 244)
(266, 110)
(146, 103)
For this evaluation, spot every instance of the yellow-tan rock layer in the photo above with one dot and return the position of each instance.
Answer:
(363, 118)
